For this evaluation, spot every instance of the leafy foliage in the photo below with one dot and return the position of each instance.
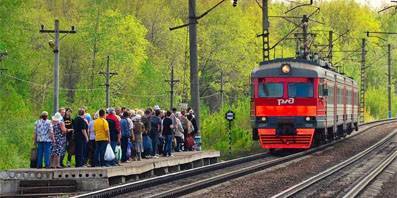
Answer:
(135, 35)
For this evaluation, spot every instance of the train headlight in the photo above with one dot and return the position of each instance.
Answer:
(307, 118)
(263, 119)
(285, 68)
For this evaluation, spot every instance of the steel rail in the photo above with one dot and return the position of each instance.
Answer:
(321, 176)
(356, 189)
(142, 184)
(189, 188)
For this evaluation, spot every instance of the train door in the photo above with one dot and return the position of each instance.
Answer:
(335, 106)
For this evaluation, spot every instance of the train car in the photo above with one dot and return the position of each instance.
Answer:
(296, 104)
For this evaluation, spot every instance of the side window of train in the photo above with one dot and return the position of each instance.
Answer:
(330, 98)
(340, 95)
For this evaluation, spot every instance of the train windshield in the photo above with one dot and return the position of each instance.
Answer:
(270, 90)
(300, 90)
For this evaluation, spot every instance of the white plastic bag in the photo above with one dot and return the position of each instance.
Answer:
(118, 152)
(109, 155)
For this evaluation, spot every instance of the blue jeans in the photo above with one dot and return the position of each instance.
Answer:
(99, 155)
(168, 145)
(124, 147)
(79, 152)
(43, 150)
(155, 141)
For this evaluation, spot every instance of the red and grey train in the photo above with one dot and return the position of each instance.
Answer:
(297, 103)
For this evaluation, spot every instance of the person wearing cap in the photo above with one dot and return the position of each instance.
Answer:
(138, 140)
(58, 146)
(43, 137)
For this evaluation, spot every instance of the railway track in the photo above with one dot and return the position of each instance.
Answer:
(380, 148)
(195, 179)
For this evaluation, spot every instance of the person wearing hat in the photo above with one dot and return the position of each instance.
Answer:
(58, 146)
(43, 135)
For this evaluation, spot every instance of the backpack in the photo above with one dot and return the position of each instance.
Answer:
(125, 133)
(146, 123)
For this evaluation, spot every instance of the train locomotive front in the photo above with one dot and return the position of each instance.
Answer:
(296, 103)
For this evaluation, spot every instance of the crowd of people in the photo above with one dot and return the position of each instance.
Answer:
(141, 134)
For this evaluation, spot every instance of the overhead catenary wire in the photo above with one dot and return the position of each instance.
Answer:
(43, 85)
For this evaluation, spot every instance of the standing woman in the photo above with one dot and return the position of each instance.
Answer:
(70, 146)
(43, 138)
(58, 147)
(167, 129)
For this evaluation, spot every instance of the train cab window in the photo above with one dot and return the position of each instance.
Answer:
(270, 90)
(300, 90)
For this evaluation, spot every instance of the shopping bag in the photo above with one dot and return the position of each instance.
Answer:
(118, 152)
(109, 155)
(33, 157)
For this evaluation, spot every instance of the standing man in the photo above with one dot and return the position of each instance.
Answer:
(102, 138)
(114, 129)
(168, 134)
(155, 130)
(80, 129)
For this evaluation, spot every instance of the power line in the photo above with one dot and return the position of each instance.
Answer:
(43, 85)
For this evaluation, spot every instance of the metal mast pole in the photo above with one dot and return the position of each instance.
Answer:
(305, 21)
(363, 81)
(107, 75)
(330, 46)
(222, 89)
(107, 84)
(265, 37)
(56, 67)
(56, 31)
(389, 79)
(194, 81)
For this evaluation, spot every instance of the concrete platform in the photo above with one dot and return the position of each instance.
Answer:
(89, 179)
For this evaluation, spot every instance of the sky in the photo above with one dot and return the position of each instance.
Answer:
(374, 4)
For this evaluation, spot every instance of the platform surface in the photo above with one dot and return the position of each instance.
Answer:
(126, 169)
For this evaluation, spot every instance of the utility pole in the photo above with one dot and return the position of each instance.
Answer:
(265, 34)
(222, 89)
(305, 24)
(388, 67)
(330, 46)
(56, 31)
(363, 81)
(389, 79)
(108, 75)
(194, 81)
(172, 82)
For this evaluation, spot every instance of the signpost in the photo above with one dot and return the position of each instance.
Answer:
(229, 116)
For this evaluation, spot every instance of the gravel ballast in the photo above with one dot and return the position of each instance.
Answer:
(271, 181)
